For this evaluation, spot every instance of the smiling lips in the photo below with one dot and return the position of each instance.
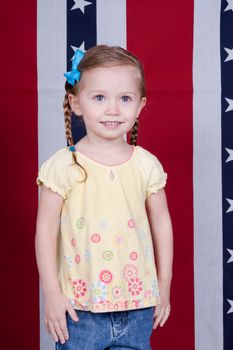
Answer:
(112, 124)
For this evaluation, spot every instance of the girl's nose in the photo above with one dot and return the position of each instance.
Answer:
(112, 108)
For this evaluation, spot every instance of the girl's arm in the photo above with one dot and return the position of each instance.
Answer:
(162, 236)
(47, 230)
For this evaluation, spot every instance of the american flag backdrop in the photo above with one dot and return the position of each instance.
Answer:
(186, 47)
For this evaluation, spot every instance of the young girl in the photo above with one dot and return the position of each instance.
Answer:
(103, 214)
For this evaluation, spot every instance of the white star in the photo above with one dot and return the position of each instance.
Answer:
(230, 201)
(230, 152)
(80, 4)
(81, 47)
(229, 6)
(230, 54)
(231, 257)
(230, 107)
(231, 308)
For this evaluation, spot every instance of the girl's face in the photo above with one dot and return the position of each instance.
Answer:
(109, 100)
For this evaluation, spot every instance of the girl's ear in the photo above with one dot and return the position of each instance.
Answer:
(141, 105)
(74, 104)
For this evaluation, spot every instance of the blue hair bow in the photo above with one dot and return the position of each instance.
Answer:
(74, 74)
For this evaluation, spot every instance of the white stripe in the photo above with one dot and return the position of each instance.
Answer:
(207, 177)
(51, 48)
(111, 22)
(51, 65)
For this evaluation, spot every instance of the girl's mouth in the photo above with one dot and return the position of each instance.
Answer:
(111, 125)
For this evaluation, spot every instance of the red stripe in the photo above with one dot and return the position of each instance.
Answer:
(161, 34)
(19, 278)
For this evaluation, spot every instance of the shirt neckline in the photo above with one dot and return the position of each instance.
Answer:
(108, 165)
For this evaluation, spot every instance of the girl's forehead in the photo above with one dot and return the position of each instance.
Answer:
(101, 73)
(123, 75)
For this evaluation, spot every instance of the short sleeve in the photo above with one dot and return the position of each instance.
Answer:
(58, 173)
(157, 178)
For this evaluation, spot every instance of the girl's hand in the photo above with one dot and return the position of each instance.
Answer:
(162, 310)
(56, 306)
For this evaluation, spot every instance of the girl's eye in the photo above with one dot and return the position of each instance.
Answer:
(125, 98)
(99, 97)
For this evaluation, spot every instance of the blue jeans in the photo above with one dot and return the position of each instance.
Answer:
(120, 330)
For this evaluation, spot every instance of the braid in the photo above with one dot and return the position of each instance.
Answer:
(67, 115)
(68, 132)
(134, 133)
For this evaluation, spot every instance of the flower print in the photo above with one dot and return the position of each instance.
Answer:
(135, 303)
(95, 238)
(77, 259)
(107, 255)
(73, 242)
(148, 251)
(80, 223)
(69, 260)
(121, 304)
(97, 307)
(116, 306)
(129, 271)
(119, 238)
(105, 276)
(87, 255)
(98, 292)
(131, 223)
(109, 305)
(117, 291)
(79, 287)
(133, 255)
(135, 286)
(148, 293)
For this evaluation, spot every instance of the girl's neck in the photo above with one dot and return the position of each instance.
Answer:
(102, 145)
(115, 150)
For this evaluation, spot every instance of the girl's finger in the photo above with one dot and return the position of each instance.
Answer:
(63, 327)
(52, 331)
(159, 318)
(167, 313)
(157, 310)
(59, 332)
(71, 311)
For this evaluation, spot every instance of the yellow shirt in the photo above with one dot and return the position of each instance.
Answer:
(106, 259)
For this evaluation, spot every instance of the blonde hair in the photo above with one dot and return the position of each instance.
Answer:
(102, 56)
